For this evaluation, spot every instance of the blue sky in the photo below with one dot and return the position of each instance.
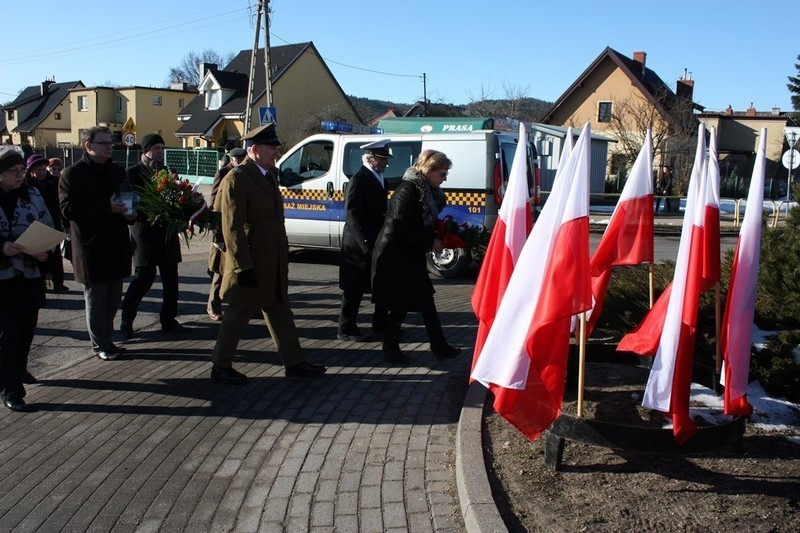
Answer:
(380, 49)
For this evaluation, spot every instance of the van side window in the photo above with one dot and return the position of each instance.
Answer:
(308, 162)
(404, 153)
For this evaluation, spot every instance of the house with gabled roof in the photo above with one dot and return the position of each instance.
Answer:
(40, 116)
(304, 92)
(622, 97)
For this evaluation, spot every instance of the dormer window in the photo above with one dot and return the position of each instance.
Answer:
(213, 99)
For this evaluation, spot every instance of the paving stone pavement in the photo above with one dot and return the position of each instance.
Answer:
(149, 443)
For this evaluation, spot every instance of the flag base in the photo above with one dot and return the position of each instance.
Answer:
(613, 380)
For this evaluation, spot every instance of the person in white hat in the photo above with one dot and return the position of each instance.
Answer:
(365, 209)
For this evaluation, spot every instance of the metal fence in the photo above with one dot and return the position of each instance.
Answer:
(190, 164)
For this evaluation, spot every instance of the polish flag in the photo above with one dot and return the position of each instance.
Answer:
(669, 384)
(514, 223)
(524, 359)
(628, 239)
(711, 246)
(737, 321)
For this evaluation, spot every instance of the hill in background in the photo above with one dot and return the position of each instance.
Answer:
(525, 109)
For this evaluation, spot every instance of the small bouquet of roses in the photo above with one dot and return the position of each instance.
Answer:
(462, 235)
(172, 202)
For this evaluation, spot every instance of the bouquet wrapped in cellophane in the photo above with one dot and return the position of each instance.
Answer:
(174, 203)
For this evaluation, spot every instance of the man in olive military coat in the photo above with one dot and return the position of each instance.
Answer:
(256, 263)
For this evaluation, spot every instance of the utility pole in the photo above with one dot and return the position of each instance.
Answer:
(263, 9)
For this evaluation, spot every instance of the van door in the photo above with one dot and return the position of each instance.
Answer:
(308, 185)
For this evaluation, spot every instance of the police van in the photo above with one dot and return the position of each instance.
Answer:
(315, 172)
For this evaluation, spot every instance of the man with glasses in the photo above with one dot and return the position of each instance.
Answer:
(101, 247)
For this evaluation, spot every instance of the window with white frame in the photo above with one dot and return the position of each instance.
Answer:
(156, 100)
(83, 103)
(604, 112)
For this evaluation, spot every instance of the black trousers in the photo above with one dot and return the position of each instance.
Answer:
(20, 300)
(56, 267)
(348, 315)
(429, 317)
(143, 278)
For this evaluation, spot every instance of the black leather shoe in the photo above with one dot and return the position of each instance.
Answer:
(354, 336)
(127, 329)
(17, 405)
(174, 327)
(395, 356)
(446, 351)
(305, 370)
(28, 378)
(228, 375)
(107, 355)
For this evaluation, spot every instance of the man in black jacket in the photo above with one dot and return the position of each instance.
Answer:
(101, 247)
(365, 209)
(152, 247)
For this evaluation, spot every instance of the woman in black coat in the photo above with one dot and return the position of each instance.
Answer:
(22, 291)
(400, 280)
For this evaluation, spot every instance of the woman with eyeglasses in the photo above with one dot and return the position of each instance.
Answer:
(22, 291)
(399, 266)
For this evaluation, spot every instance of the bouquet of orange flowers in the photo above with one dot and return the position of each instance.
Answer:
(462, 235)
(172, 202)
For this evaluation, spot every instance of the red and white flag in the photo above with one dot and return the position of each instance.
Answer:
(524, 358)
(628, 239)
(737, 322)
(669, 384)
(711, 246)
(514, 223)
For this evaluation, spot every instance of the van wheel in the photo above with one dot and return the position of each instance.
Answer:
(450, 263)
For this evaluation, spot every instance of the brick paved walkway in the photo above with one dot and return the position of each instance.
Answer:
(149, 443)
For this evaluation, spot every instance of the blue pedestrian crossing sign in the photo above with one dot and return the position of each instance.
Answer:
(267, 115)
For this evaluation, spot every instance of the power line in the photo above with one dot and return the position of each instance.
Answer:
(328, 60)
(165, 27)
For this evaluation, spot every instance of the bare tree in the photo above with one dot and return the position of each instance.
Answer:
(310, 123)
(189, 69)
(672, 124)
(515, 104)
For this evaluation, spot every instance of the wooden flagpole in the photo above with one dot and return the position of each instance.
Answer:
(718, 326)
(581, 362)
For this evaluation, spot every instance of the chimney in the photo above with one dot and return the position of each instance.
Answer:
(729, 110)
(205, 67)
(684, 88)
(45, 86)
(776, 112)
(640, 57)
(751, 111)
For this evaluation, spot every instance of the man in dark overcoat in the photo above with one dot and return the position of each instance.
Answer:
(153, 248)
(365, 209)
(256, 262)
(101, 247)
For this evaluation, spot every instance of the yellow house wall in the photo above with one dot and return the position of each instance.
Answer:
(606, 83)
(740, 134)
(137, 103)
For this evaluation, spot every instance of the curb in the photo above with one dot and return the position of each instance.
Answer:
(474, 492)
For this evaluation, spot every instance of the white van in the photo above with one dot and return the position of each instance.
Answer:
(315, 172)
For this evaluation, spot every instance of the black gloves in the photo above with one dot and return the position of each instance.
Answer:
(247, 279)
